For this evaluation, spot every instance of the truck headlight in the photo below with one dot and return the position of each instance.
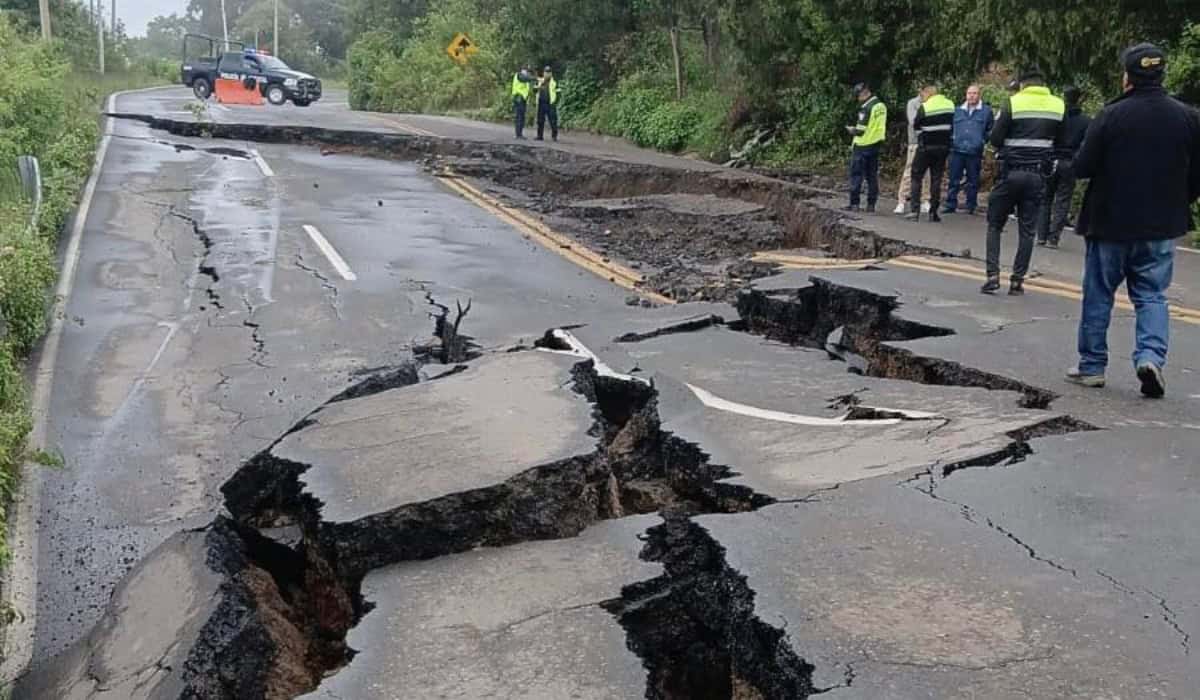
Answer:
(290, 82)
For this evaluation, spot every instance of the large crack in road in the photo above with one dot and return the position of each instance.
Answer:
(286, 579)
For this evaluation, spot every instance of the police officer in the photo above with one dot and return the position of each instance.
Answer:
(868, 135)
(935, 127)
(547, 104)
(521, 90)
(1060, 187)
(1028, 131)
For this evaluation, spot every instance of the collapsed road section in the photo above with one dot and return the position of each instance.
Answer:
(517, 448)
(691, 232)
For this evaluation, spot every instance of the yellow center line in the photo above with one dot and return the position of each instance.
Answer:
(568, 248)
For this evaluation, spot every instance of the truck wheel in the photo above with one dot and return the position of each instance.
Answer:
(201, 88)
(302, 103)
(276, 95)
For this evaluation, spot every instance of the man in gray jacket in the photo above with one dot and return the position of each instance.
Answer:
(906, 175)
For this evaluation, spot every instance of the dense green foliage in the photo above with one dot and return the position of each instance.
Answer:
(48, 109)
(700, 75)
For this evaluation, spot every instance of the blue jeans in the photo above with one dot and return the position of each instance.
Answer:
(864, 165)
(971, 165)
(1146, 268)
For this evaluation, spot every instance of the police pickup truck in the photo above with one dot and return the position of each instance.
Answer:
(276, 81)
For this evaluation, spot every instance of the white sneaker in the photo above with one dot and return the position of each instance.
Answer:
(899, 208)
(924, 207)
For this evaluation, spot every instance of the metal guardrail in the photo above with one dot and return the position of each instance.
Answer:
(30, 172)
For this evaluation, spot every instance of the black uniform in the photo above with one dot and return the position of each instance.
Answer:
(1060, 186)
(934, 125)
(1027, 134)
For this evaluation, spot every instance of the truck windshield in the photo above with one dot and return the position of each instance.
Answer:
(271, 63)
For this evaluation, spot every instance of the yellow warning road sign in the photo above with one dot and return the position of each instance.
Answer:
(461, 48)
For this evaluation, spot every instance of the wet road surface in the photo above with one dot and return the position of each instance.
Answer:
(715, 505)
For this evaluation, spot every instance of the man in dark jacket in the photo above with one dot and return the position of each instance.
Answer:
(1060, 186)
(1142, 154)
(973, 121)
(934, 125)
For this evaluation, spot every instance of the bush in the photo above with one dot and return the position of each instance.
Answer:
(418, 76)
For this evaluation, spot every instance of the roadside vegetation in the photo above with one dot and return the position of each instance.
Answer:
(49, 108)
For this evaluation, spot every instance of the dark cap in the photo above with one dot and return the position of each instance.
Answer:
(859, 87)
(1014, 85)
(1144, 62)
(547, 69)
(1031, 73)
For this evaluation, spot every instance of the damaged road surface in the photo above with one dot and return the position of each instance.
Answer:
(446, 462)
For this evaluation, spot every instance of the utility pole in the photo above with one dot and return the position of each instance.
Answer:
(100, 32)
(276, 34)
(44, 9)
(225, 25)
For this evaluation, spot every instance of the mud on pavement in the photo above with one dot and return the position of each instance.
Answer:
(690, 232)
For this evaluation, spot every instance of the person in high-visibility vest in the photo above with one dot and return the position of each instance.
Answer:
(1027, 133)
(522, 88)
(934, 125)
(547, 104)
(868, 135)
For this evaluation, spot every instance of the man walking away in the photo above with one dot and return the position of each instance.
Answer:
(1142, 154)
(973, 121)
(868, 138)
(521, 89)
(934, 125)
(1060, 188)
(1027, 132)
(547, 104)
(906, 174)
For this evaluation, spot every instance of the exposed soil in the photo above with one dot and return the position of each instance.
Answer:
(695, 252)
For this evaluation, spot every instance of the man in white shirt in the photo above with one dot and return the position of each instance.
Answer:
(906, 175)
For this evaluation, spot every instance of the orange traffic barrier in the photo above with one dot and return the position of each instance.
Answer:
(235, 92)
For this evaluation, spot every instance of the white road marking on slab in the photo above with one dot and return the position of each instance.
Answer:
(1193, 251)
(334, 259)
(262, 164)
(578, 349)
(716, 402)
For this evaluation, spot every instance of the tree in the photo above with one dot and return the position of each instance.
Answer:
(296, 43)
(164, 36)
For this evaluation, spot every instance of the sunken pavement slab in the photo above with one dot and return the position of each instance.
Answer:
(516, 622)
(503, 415)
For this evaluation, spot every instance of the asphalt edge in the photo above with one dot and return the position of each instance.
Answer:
(18, 583)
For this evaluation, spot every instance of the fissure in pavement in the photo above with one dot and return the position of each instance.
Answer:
(292, 581)
(860, 327)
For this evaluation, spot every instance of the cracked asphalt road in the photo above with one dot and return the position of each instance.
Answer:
(980, 548)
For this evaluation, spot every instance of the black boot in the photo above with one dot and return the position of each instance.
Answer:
(1016, 288)
(933, 217)
(991, 286)
(912, 216)
(851, 207)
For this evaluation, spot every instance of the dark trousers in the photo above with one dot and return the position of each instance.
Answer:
(934, 161)
(1056, 203)
(547, 111)
(864, 165)
(519, 116)
(1020, 190)
(962, 164)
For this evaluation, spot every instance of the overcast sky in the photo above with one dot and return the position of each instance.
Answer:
(136, 13)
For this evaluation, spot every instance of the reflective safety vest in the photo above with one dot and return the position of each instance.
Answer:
(552, 89)
(935, 122)
(1036, 119)
(520, 88)
(872, 123)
